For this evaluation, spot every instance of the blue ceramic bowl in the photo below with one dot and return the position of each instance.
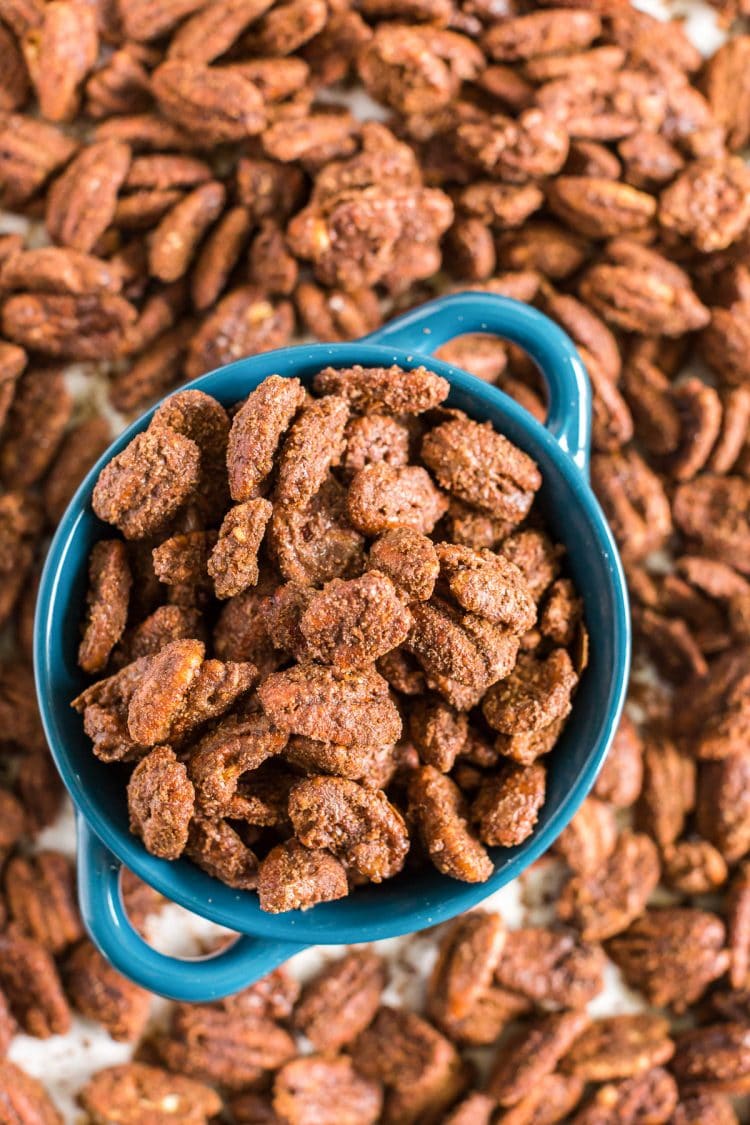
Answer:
(410, 902)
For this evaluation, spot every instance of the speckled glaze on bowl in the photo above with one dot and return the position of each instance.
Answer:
(406, 903)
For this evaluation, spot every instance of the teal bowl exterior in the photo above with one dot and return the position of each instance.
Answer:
(404, 904)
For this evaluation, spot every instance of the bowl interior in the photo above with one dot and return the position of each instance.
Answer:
(409, 902)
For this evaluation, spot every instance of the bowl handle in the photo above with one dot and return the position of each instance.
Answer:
(424, 329)
(199, 980)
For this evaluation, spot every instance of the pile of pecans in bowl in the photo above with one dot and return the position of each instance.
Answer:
(186, 184)
(375, 674)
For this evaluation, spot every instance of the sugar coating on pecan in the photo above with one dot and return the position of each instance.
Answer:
(360, 825)
(109, 590)
(382, 498)
(482, 468)
(410, 561)
(351, 623)
(161, 799)
(295, 877)
(384, 390)
(144, 486)
(257, 429)
(440, 812)
(233, 563)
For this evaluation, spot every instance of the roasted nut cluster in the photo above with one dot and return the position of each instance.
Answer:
(329, 677)
(184, 182)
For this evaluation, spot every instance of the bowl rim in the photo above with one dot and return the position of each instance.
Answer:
(455, 897)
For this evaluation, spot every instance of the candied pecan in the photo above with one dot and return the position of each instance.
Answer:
(39, 789)
(341, 1001)
(709, 203)
(59, 54)
(99, 992)
(237, 744)
(173, 242)
(634, 502)
(222, 1044)
(81, 203)
(482, 467)
(605, 902)
(650, 160)
(244, 322)
(24, 1098)
(410, 561)
(693, 867)
(414, 68)
(605, 105)
(120, 86)
(293, 877)
(30, 151)
(724, 83)
(333, 314)
(641, 297)
(590, 838)
(671, 955)
(214, 104)
(270, 264)
(233, 563)
(352, 708)
(552, 968)
(57, 269)
(530, 147)
(722, 807)
(535, 694)
(620, 1047)
(439, 811)
(716, 1058)
(600, 208)
(553, 1097)
(543, 246)
(712, 711)
(30, 981)
(489, 585)
(469, 250)
(132, 1090)
(59, 325)
(724, 342)
(542, 33)
(305, 1089)
(469, 952)
(359, 825)
(316, 543)
(218, 256)
(12, 363)
(181, 560)
(439, 732)
(34, 428)
(382, 498)
(507, 806)
(256, 431)
(421, 1070)
(216, 848)
(15, 88)
(466, 649)
(40, 894)
(146, 484)
(351, 624)
(161, 799)
(315, 442)
(384, 390)
(107, 603)
(78, 451)
(668, 791)
(162, 694)
(211, 31)
(651, 1096)
(533, 1053)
